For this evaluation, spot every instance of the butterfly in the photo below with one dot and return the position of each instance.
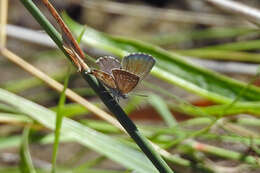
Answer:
(122, 78)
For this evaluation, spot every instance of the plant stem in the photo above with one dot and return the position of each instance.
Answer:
(59, 117)
(129, 126)
(3, 20)
(221, 54)
(192, 35)
(26, 164)
(113, 106)
(221, 152)
(239, 9)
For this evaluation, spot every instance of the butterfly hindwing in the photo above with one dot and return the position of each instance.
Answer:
(105, 78)
(139, 64)
(107, 63)
(124, 80)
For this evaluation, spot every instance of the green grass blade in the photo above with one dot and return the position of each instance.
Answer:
(206, 34)
(89, 164)
(26, 165)
(60, 170)
(71, 109)
(221, 55)
(7, 108)
(236, 46)
(59, 117)
(10, 141)
(101, 126)
(171, 67)
(158, 103)
(27, 83)
(101, 143)
(132, 103)
(81, 34)
(10, 117)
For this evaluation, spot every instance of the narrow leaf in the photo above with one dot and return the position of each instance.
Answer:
(59, 117)
(158, 103)
(26, 165)
(101, 143)
(81, 34)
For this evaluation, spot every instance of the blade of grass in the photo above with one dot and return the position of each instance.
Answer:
(133, 103)
(241, 10)
(59, 117)
(89, 164)
(219, 116)
(101, 143)
(221, 55)
(52, 95)
(170, 67)
(10, 141)
(131, 129)
(211, 33)
(7, 108)
(236, 46)
(100, 126)
(60, 170)
(14, 118)
(162, 108)
(26, 165)
(221, 152)
(24, 84)
(212, 82)
(81, 35)
(71, 109)
(185, 107)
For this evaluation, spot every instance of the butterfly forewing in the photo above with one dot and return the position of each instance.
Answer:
(105, 78)
(125, 81)
(108, 63)
(139, 64)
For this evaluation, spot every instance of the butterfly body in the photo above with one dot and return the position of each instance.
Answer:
(122, 78)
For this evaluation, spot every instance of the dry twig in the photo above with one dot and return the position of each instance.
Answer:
(239, 9)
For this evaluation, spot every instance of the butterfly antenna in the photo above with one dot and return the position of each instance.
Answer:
(106, 92)
(141, 95)
(114, 99)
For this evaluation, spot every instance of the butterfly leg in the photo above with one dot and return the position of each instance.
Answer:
(105, 92)
(116, 99)
(89, 71)
(73, 58)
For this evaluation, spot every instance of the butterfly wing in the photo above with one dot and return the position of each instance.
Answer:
(124, 80)
(105, 78)
(107, 63)
(139, 64)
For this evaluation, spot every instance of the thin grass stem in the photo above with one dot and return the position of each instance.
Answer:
(3, 20)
